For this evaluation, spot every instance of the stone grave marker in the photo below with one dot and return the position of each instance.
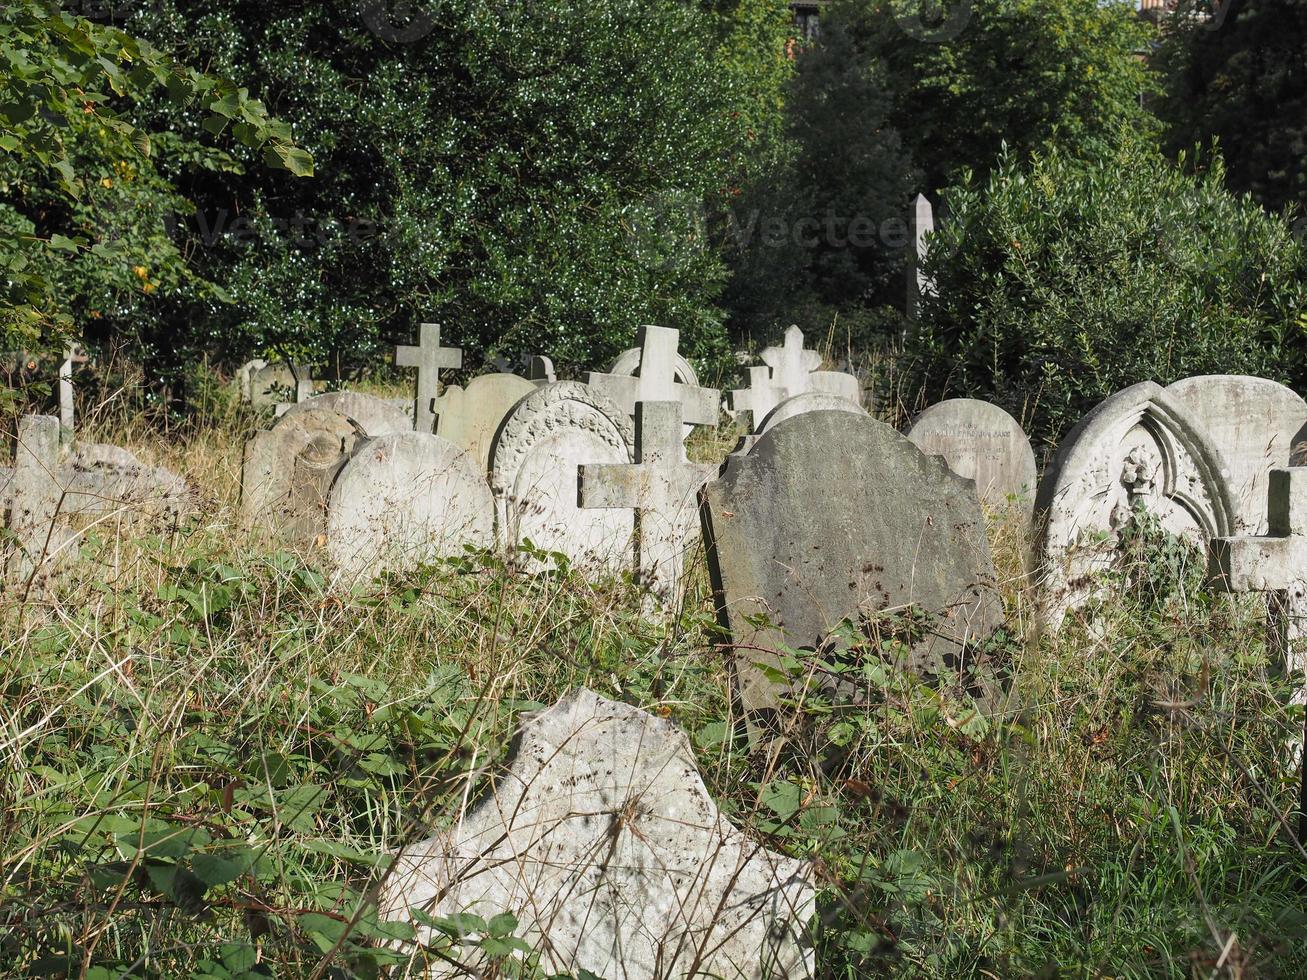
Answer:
(654, 377)
(1138, 449)
(809, 401)
(244, 378)
(663, 489)
(534, 464)
(1276, 564)
(758, 399)
(405, 499)
(270, 382)
(288, 470)
(375, 416)
(49, 486)
(470, 417)
(834, 516)
(602, 840)
(796, 370)
(430, 359)
(981, 442)
(1255, 424)
(541, 371)
(73, 357)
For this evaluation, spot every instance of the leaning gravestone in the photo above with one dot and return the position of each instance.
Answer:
(1255, 424)
(534, 464)
(1138, 450)
(470, 417)
(375, 416)
(271, 382)
(981, 442)
(288, 470)
(601, 839)
(833, 516)
(405, 499)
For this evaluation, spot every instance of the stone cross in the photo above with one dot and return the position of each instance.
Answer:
(921, 222)
(661, 486)
(1276, 564)
(791, 364)
(67, 404)
(760, 397)
(429, 358)
(656, 380)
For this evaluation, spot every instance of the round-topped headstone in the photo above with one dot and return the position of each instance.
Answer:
(809, 401)
(983, 443)
(470, 417)
(405, 499)
(534, 466)
(375, 416)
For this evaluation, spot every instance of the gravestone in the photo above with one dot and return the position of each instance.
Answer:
(657, 373)
(375, 416)
(758, 399)
(272, 381)
(1139, 449)
(834, 516)
(921, 222)
(73, 357)
(541, 371)
(244, 379)
(470, 417)
(430, 359)
(405, 499)
(663, 489)
(981, 442)
(50, 487)
(288, 470)
(1276, 564)
(1255, 424)
(796, 370)
(602, 840)
(534, 464)
(810, 401)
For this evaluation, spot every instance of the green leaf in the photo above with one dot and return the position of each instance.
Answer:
(298, 162)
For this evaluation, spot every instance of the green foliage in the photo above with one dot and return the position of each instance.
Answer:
(1239, 75)
(1063, 280)
(967, 77)
(83, 202)
(534, 176)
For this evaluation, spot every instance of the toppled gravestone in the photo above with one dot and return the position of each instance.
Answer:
(832, 518)
(604, 843)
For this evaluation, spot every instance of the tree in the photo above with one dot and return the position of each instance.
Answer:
(1062, 280)
(966, 78)
(531, 175)
(83, 235)
(1240, 77)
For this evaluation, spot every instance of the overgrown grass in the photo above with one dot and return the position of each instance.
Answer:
(206, 751)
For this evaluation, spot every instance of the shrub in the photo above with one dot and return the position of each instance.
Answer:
(1062, 281)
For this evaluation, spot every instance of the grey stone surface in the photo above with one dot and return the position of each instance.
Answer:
(288, 470)
(534, 466)
(810, 401)
(981, 442)
(405, 499)
(758, 399)
(1255, 424)
(470, 417)
(663, 489)
(790, 371)
(602, 840)
(1139, 448)
(921, 222)
(835, 516)
(659, 374)
(430, 359)
(270, 384)
(375, 416)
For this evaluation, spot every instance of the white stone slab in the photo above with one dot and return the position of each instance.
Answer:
(470, 417)
(375, 416)
(981, 442)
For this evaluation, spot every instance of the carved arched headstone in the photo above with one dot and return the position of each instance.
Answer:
(1138, 448)
(375, 416)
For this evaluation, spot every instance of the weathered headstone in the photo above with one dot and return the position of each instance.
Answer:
(1255, 424)
(541, 371)
(604, 843)
(661, 486)
(809, 401)
(430, 359)
(244, 379)
(67, 400)
(1139, 449)
(791, 370)
(375, 416)
(981, 442)
(269, 383)
(653, 378)
(288, 470)
(470, 417)
(49, 486)
(834, 516)
(759, 398)
(405, 499)
(921, 222)
(1276, 564)
(534, 474)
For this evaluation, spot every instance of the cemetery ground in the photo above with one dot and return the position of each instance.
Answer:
(207, 752)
